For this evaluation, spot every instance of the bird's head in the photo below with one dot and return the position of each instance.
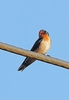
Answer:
(43, 34)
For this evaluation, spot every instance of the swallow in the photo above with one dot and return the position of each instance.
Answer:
(42, 45)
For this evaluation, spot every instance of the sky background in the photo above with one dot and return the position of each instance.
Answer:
(20, 22)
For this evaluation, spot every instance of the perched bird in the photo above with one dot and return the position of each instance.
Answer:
(42, 45)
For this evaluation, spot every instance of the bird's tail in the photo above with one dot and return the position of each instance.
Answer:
(26, 63)
(21, 68)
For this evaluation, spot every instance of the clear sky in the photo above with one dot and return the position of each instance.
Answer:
(20, 22)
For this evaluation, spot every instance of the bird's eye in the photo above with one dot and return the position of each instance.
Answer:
(48, 33)
(45, 32)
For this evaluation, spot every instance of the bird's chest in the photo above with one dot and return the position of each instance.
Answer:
(44, 47)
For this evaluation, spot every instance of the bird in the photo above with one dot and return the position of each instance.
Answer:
(42, 45)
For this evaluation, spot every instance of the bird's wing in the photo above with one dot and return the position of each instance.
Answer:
(29, 60)
(36, 45)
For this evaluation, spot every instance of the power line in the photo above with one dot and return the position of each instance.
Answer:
(37, 56)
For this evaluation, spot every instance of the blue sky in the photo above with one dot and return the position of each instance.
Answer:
(20, 22)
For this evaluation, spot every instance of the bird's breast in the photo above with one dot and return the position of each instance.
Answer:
(44, 46)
